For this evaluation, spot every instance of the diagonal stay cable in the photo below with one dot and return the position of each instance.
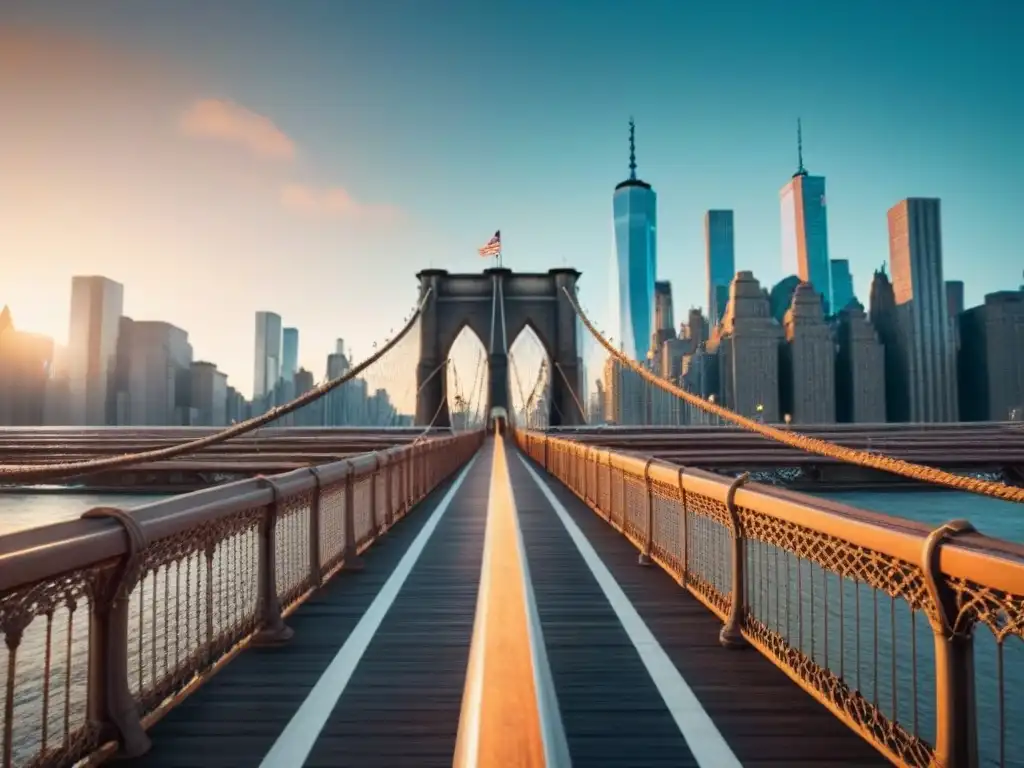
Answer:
(21, 473)
(583, 413)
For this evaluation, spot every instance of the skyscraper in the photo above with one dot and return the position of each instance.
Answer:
(25, 366)
(805, 227)
(96, 307)
(992, 359)
(635, 221)
(289, 353)
(808, 363)
(664, 324)
(842, 285)
(955, 307)
(159, 374)
(267, 370)
(954, 299)
(925, 331)
(747, 346)
(721, 261)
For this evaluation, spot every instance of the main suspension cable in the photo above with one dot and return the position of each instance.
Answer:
(807, 443)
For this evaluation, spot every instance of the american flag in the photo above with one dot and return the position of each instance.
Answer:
(493, 247)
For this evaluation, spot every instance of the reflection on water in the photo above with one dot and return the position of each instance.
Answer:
(19, 511)
(993, 517)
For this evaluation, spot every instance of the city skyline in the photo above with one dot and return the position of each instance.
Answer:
(398, 186)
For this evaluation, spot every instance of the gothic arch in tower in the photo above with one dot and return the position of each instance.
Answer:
(497, 304)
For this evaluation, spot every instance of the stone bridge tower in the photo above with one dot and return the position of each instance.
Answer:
(498, 305)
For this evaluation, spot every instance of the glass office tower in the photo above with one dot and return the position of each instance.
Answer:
(289, 353)
(96, 307)
(805, 228)
(842, 285)
(721, 261)
(635, 221)
(267, 369)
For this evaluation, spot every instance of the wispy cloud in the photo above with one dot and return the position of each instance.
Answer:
(334, 202)
(227, 121)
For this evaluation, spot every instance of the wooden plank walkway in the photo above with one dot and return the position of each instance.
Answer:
(235, 718)
(766, 719)
(401, 706)
(612, 712)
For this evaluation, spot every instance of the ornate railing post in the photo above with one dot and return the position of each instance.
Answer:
(586, 473)
(415, 459)
(403, 482)
(389, 491)
(645, 553)
(315, 575)
(350, 559)
(731, 635)
(111, 705)
(684, 533)
(574, 469)
(611, 494)
(273, 630)
(956, 735)
(374, 519)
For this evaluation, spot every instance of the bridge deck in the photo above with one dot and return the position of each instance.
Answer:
(376, 671)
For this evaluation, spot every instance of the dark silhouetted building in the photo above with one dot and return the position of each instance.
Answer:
(842, 285)
(209, 395)
(991, 359)
(25, 364)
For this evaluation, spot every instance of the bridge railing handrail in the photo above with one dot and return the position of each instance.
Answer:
(725, 541)
(175, 588)
(29, 555)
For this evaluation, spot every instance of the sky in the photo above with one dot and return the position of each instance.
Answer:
(309, 158)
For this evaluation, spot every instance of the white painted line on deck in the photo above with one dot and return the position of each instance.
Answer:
(705, 741)
(298, 738)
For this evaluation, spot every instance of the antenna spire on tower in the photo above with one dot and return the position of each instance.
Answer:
(800, 170)
(632, 150)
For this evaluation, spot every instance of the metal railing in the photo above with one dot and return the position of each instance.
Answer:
(108, 623)
(879, 618)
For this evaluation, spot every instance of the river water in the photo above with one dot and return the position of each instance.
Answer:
(19, 511)
(996, 518)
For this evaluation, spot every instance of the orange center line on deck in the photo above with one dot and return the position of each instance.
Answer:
(506, 719)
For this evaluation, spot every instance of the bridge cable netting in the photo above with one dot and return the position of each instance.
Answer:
(640, 396)
(467, 397)
(378, 392)
(530, 407)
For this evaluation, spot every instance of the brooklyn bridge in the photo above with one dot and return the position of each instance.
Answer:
(487, 588)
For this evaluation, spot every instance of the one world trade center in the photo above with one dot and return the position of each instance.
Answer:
(635, 266)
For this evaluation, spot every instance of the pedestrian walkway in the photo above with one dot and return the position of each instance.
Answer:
(502, 623)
